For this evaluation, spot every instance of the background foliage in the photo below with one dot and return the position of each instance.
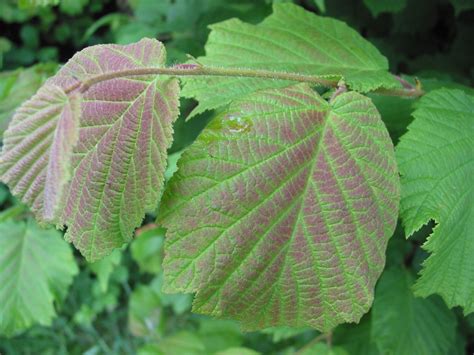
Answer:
(116, 305)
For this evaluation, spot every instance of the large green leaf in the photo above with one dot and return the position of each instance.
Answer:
(290, 40)
(280, 212)
(36, 269)
(403, 324)
(436, 162)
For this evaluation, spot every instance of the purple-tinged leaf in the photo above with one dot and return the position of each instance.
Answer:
(35, 160)
(280, 212)
(117, 167)
(126, 129)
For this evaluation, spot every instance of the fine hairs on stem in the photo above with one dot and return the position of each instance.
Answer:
(197, 70)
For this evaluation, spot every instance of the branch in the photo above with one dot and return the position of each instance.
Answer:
(198, 70)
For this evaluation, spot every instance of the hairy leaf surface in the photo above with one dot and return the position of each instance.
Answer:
(36, 269)
(119, 161)
(126, 128)
(404, 324)
(290, 40)
(35, 160)
(436, 163)
(280, 212)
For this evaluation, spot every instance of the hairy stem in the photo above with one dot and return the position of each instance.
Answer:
(198, 70)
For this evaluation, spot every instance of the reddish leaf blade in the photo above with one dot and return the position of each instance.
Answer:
(280, 212)
(126, 129)
(38, 145)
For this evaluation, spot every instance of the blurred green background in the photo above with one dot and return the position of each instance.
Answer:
(116, 306)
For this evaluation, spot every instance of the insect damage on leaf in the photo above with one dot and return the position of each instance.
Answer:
(280, 212)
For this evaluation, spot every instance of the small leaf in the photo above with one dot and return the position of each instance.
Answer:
(404, 324)
(147, 249)
(280, 212)
(436, 165)
(31, 279)
(105, 267)
(290, 40)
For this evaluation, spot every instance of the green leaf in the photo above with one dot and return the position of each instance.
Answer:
(180, 303)
(462, 5)
(290, 40)
(147, 249)
(323, 349)
(181, 343)
(377, 7)
(26, 4)
(356, 338)
(396, 113)
(284, 333)
(280, 212)
(404, 324)
(218, 335)
(321, 5)
(435, 161)
(105, 267)
(72, 7)
(145, 314)
(238, 351)
(36, 270)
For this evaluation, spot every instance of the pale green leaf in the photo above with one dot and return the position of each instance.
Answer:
(35, 3)
(290, 40)
(436, 162)
(147, 249)
(403, 324)
(145, 312)
(36, 269)
(322, 348)
(183, 342)
(105, 267)
(238, 351)
(218, 335)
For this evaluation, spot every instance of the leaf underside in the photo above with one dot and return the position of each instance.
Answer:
(38, 147)
(436, 164)
(31, 280)
(290, 40)
(117, 166)
(288, 203)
